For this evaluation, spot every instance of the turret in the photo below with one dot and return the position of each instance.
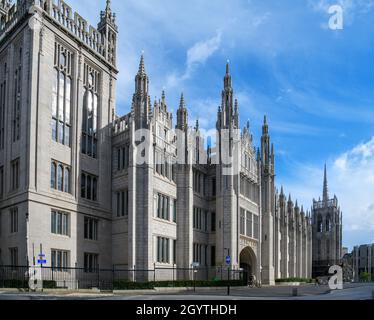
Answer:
(141, 100)
(226, 115)
(109, 32)
(182, 115)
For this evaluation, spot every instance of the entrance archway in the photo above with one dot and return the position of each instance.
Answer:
(248, 262)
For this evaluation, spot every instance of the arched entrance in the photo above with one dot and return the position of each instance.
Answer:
(248, 262)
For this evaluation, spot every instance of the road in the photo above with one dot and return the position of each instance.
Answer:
(350, 292)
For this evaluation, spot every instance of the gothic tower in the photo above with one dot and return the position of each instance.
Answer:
(268, 205)
(227, 178)
(327, 232)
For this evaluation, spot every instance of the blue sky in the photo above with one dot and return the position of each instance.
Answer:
(316, 85)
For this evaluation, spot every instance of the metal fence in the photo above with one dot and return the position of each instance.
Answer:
(124, 278)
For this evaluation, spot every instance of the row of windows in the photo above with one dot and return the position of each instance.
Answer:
(163, 250)
(89, 186)
(165, 207)
(123, 158)
(60, 260)
(199, 183)
(249, 224)
(60, 177)
(122, 201)
(249, 189)
(60, 223)
(164, 167)
(200, 219)
(200, 254)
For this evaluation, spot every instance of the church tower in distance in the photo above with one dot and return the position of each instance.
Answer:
(327, 232)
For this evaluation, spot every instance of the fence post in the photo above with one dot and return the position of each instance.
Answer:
(173, 275)
(134, 274)
(228, 281)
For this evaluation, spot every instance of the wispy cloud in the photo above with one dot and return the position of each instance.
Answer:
(197, 55)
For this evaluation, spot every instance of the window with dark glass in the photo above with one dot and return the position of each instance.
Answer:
(91, 228)
(61, 96)
(91, 262)
(60, 177)
(89, 185)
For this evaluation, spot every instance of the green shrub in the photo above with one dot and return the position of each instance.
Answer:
(13, 284)
(365, 276)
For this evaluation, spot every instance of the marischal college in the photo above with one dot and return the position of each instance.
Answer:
(71, 179)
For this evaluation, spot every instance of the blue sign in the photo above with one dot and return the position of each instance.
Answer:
(228, 260)
(42, 261)
(41, 255)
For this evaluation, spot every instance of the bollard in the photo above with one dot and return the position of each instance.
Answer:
(294, 292)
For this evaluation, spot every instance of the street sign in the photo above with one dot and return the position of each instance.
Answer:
(228, 260)
(41, 255)
(195, 265)
(42, 261)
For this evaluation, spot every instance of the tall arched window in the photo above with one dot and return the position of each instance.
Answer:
(61, 96)
(67, 180)
(3, 96)
(90, 112)
(53, 175)
(60, 178)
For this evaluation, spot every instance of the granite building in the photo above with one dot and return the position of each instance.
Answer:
(71, 184)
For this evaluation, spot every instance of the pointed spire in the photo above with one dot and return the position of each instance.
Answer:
(227, 79)
(163, 96)
(265, 127)
(282, 192)
(325, 186)
(141, 65)
(197, 125)
(228, 67)
(108, 6)
(289, 198)
(182, 104)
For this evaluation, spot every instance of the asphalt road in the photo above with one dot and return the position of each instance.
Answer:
(350, 292)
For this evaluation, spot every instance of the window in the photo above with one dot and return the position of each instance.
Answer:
(256, 230)
(3, 90)
(175, 211)
(242, 221)
(60, 177)
(91, 229)
(14, 220)
(319, 224)
(89, 186)
(60, 260)
(15, 175)
(213, 256)
(249, 225)
(1, 182)
(162, 207)
(13, 253)
(123, 158)
(200, 219)
(16, 114)
(174, 251)
(163, 247)
(61, 96)
(91, 262)
(122, 198)
(60, 223)
(90, 111)
(213, 222)
(197, 253)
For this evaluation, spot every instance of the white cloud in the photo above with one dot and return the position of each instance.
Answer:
(197, 55)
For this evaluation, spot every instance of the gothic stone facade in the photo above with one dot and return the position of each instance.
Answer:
(71, 183)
